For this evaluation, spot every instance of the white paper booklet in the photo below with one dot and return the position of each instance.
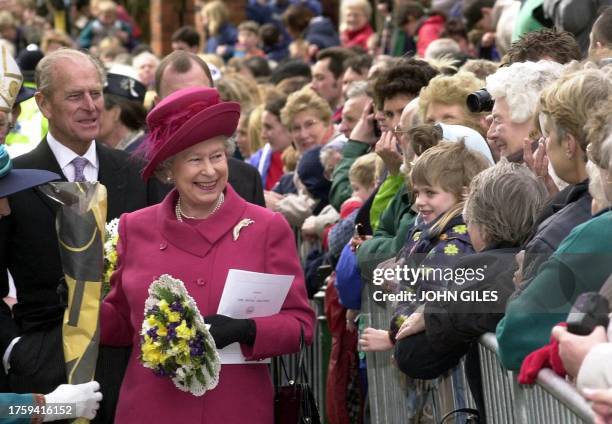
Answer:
(251, 295)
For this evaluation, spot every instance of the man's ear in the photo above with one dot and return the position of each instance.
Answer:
(43, 104)
(465, 191)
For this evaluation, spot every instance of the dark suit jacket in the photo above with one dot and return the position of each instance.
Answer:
(246, 181)
(29, 249)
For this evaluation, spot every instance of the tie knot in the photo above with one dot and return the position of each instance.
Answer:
(79, 164)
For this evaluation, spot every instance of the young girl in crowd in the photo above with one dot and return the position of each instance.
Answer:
(439, 182)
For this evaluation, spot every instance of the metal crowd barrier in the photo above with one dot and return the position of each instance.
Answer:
(551, 400)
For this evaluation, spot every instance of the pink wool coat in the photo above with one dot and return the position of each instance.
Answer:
(151, 243)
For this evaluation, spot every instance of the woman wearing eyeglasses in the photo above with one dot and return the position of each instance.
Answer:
(308, 119)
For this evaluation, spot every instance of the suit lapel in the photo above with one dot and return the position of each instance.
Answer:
(112, 175)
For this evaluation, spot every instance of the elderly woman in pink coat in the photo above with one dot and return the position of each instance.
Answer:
(190, 236)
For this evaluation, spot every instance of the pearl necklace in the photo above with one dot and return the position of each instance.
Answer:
(180, 214)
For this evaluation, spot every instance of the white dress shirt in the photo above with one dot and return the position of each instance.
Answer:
(64, 157)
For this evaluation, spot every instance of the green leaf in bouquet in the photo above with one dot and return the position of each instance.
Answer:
(165, 294)
(200, 376)
(208, 365)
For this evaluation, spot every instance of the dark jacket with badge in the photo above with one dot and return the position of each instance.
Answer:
(434, 256)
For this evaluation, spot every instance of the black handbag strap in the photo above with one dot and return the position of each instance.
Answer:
(302, 375)
(473, 414)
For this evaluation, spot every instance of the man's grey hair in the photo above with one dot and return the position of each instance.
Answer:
(358, 89)
(521, 84)
(494, 195)
(45, 73)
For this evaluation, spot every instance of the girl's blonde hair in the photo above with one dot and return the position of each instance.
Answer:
(216, 15)
(254, 128)
(450, 166)
(363, 170)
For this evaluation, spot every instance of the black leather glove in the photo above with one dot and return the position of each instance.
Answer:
(226, 330)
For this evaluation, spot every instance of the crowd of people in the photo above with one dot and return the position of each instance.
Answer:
(448, 159)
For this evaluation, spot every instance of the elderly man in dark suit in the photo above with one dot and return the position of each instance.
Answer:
(70, 97)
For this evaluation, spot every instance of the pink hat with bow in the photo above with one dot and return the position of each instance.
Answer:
(185, 118)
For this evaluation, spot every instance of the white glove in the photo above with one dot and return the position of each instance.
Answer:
(84, 398)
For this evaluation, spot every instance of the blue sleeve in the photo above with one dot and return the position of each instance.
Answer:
(8, 410)
(85, 37)
(348, 279)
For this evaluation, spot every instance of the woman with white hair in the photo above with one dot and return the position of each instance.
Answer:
(516, 90)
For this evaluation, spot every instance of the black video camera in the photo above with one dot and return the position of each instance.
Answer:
(590, 310)
(480, 101)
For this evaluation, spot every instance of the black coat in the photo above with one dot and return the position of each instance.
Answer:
(450, 326)
(565, 211)
(246, 181)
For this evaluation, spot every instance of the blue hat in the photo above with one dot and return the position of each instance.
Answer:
(24, 94)
(14, 180)
(311, 173)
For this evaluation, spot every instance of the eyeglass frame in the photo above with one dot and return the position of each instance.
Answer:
(306, 126)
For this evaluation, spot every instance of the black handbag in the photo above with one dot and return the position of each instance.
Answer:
(294, 402)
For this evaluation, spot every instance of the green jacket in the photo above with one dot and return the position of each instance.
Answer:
(387, 191)
(581, 264)
(390, 236)
(341, 186)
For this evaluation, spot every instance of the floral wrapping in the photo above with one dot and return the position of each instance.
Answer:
(111, 237)
(427, 252)
(175, 342)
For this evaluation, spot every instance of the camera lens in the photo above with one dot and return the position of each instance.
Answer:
(480, 101)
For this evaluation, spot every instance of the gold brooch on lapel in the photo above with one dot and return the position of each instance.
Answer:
(244, 223)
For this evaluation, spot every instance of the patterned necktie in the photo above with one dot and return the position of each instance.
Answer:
(79, 164)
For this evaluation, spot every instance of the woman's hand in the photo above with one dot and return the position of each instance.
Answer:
(226, 330)
(573, 348)
(414, 324)
(388, 151)
(272, 198)
(538, 163)
(517, 278)
(602, 404)
(308, 229)
(374, 340)
(357, 240)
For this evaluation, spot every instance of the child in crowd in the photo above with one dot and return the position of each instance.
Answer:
(439, 181)
(106, 25)
(362, 176)
(248, 41)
